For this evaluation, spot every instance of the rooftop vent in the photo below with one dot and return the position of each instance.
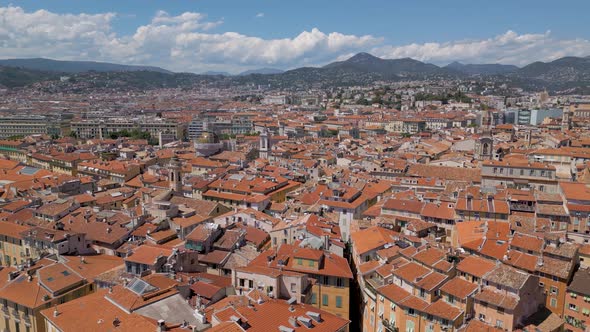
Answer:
(305, 321)
(293, 322)
(316, 316)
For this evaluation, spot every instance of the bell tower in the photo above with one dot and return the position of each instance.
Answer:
(484, 147)
(264, 147)
(175, 174)
(566, 119)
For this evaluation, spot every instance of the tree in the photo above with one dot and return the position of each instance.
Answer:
(363, 101)
(377, 99)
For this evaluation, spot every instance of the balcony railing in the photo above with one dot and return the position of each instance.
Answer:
(389, 326)
(27, 320)
(522, 207)
(575, 322)
(5, 311)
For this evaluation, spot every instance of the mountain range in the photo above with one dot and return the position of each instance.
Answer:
(75, 66)
(362, 68)
(481, 69)
(260, 71)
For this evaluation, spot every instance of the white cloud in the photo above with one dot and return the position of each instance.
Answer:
(508, 48)
(60, 35)
(190, 42)
(182, 42)
(260, 15)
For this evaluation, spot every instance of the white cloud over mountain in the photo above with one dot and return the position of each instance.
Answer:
(186, 43)
(508, 48)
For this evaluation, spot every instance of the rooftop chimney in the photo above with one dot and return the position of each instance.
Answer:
(161, 326)
(13, 275)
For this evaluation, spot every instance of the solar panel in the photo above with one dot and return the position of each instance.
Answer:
(28, 170)
(140, 287)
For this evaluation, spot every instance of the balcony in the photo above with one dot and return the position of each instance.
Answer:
(16, 314)
(577, 323)
(27, 320)
(522, 207)
(5, 311)
(389, 326)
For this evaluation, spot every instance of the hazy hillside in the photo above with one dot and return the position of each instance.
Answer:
(74, 66)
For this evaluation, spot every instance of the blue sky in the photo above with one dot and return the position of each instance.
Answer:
(199, 35)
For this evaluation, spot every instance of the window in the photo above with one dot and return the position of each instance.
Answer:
(553, 302)
(482, 317)
(299, 261)
(325, 300)
(499, 323)
(339, 282)
(338, 301)
(422, 293)
(411, 312)
(451, 299)
(573, 307)
(554, 290)
(310, 263)
(314, 298)
(293, 287)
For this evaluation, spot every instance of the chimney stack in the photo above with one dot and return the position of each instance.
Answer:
(161, 326)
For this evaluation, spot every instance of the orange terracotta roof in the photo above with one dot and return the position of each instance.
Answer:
(475, 266)
(459, 288)
(372, 238)
(82, 315)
